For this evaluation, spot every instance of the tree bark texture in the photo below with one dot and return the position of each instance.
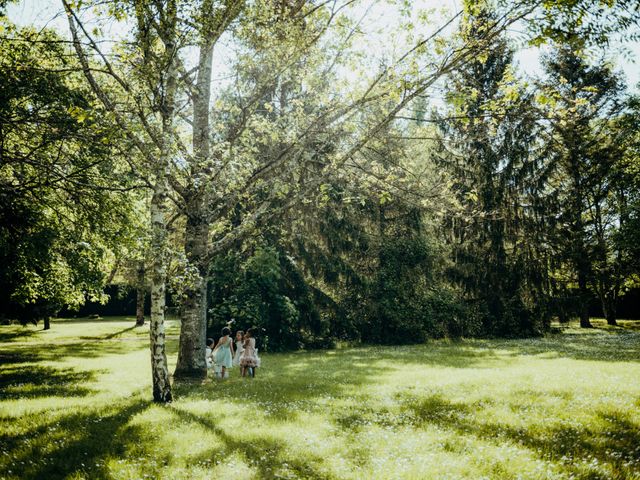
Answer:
(159, 367)
(193, 314)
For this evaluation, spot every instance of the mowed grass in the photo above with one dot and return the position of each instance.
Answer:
(75, 403)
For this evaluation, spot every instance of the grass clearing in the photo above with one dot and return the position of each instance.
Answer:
(74, 403)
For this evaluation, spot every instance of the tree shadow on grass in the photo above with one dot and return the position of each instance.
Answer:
(305, 376)
(613, 443)
(112, 335)
(61, 351)
(612, 439)
(286, 392)
(595, 345)
(120, 332)
(268, 456)
(17, 356)
(13, 334)
(77, 444)
(40, 381)
(409, 411)
(290, 384)
(439, 353)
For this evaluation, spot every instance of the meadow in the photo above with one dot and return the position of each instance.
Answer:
(75, 403)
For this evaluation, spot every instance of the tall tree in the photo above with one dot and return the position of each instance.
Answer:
(213, 20)
(487, 141)
(145, 111)
(579, 98)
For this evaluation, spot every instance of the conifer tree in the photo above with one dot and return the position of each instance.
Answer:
(579, 98)
(487, 143)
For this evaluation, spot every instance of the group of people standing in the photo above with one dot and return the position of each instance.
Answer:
(226, 353)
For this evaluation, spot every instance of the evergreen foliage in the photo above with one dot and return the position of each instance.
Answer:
(488, 143)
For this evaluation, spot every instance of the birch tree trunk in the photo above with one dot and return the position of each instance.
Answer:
(159, 367)
(193, 315)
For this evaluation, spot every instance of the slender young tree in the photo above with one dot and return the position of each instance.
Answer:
(149, 96)
(168, 35)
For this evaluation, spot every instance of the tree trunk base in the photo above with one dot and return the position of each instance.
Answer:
(190, 374)
(585, 323)
(612, 322)
(47, 323)
(140, 322)
(162, 397)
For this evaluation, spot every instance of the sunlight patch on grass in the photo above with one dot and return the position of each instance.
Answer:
(74, 403)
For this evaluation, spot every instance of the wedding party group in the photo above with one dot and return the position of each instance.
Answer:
(227, 353)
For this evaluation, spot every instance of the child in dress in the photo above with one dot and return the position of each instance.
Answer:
(239, 348)
(249, 358)
(223, 354)
(208, 353)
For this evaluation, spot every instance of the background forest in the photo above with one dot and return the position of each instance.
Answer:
(320, 189)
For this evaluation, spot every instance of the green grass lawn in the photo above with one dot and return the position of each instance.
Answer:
(74, 403)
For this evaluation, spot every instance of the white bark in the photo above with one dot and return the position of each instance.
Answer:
(159, 367)
(160, 167)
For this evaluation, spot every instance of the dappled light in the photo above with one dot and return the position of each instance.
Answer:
(560, 406)
(319, 240)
